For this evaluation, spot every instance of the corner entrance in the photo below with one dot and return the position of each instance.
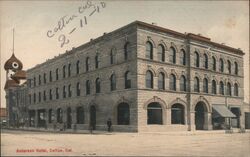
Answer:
(69, 118)
(200, 110)
(93, 117)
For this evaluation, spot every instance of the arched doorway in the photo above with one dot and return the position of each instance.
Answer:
(200, 110)
(69, 118)
(177, 114)
(93, 117)
(123, 114)
(154, 110)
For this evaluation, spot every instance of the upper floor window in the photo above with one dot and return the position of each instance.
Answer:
(39, 80)
(57, 93)
(161, 81)
(39, 96)
(236, 68)
(172, 82)
(161, 53)
(127, 50)
(214, 87)
(196, 59)
(50, 76)
(221, 88)
(97, 85)
(64, 91)
(78, 89)
(172, 55)
(112, 55)
(214, 63)
(34, 97)
(44, 96)
(30, 98)
(64, 71)
(87, 63)
(97, 61)
(196, 84)
(229, 89)
(87, 87)
(205, 61)
(69, 70)
(221, 65)
(50, 94)
(44, 78)
(229, 67)
(205, 85)
(112, 82)
(34, 81)
(57, 74)
(78, 67)
(182, 57)
(149, 50)
(149, 79)
(183, 86)
(236, 90)
(69, 91)
(127, 80)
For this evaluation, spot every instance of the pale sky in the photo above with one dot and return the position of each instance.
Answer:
(223, 21)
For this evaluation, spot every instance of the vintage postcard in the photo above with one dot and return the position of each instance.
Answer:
(125, 78)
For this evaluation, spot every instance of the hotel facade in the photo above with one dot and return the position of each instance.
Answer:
(141, 76)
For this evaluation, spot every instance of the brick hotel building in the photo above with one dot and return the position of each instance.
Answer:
(142, 76)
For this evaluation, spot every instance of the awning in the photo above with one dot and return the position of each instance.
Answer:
(222, 111)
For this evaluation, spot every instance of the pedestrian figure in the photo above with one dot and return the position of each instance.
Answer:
(109, 124)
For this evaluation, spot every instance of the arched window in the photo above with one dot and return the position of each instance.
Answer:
(112, 56)
(64, 71)
(161, 53)
(221, 88)
(69, 70)
(87, 63)
(39, 80)
(229, 92)
(34, 97)
(87, 87)
(196, 59)
(161, 81)
(214, 63)
(64, 91)
(97, 85)
(44, 96)
(221, 65)
(205, 61)
(149, 79)
(59, 115)
(69, 91)
(97, 61)
(78, 89)
(50, 94)
(127, 80)
(205, 85)
(183, 86)
(44, 78)
(177, 114)
(79, 115)
(57, 74)
(236, 90)
(172, 82)
(149, 50)
(229, 67)
(236, 68)
(123, 114)
(196, 84)
(57, 93)
(154, 113)
(39, 96)
(112, 82)
(214, 91)
(77, 67)
(50, 76)
(50, 115)
(127, 50)
(182, 57)
(172, 55)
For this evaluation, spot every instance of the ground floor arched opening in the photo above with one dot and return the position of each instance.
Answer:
(69, 118)
(123, 114)
(93, 117)
(177, 114)
(154, 113)
(200, 110)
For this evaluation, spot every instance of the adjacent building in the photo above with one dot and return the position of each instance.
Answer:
(142, 76)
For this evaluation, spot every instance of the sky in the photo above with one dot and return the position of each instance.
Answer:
(36, 21)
